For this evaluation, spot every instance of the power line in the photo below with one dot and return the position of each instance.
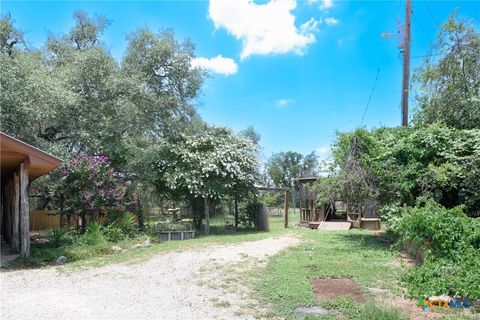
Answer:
(370, 96)
(427, 55)
(421, 27)
(430, 12)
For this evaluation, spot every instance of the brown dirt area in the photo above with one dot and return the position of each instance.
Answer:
(202, 284)
(329, 289)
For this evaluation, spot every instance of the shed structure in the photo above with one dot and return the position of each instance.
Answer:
(20, 163)
(313, 216)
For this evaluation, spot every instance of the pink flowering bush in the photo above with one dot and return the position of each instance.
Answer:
(85, 184)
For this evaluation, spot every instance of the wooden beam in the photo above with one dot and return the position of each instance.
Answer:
(15, 203)
(271, 189)
(24, 211)
(11, 154)
(286, 210)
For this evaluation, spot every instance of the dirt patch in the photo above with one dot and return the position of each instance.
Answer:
(405, 260)
(330, 289)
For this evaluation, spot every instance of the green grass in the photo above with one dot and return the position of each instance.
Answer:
(369, 311)
(101, 253)
(362, 255)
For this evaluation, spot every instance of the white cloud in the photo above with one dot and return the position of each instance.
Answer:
(310, 26)
(263, 28)
(326, 4)
(218, 64)
(284, 102)
(331, 21)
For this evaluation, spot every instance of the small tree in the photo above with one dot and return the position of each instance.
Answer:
(209, 163)
(449, 86)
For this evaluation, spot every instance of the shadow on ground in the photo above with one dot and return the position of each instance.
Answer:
(370, 241)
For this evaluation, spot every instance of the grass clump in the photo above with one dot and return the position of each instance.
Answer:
(369, 311)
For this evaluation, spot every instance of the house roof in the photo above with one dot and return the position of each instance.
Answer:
(14, 151)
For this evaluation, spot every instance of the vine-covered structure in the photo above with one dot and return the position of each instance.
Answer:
(314, 215)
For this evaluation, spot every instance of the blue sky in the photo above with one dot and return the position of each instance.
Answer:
(297, 71)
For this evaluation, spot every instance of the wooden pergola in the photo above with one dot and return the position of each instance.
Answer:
(21, 163)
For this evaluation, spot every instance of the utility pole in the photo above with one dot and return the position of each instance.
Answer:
(406, 64)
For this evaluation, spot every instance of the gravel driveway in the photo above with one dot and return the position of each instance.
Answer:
(193, 284)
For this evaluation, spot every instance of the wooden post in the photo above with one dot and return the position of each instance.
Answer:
(286, 210)
(261, 218)
(406, 64)
(207, 217)
(24, 211)
(15, 213)
(7, 218)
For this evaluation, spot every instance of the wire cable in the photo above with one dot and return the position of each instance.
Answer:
(371, 95)
(431, 14)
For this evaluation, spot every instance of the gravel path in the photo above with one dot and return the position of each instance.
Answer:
(193, 284)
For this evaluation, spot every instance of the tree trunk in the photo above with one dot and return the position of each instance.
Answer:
(207, 217)
(139, 215)
(77, 215)
(236, 213)
(24, 211)
(84, 221)
(196, 212)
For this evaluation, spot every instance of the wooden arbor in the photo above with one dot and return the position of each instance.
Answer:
(21, 163)
(310, 214)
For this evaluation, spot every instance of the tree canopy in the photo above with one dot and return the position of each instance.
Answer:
(284, 168)
(212, 162)
(71, 97)
(449, 81)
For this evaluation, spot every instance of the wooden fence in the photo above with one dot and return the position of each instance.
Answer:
(50, 219)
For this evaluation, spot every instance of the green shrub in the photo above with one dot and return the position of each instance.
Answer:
(390, 213)
(127, 224)
(440, 276)
(56, 237)
(150, 228)
(93, 234)
(437, 232)
(448, 242)
(113, 233)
